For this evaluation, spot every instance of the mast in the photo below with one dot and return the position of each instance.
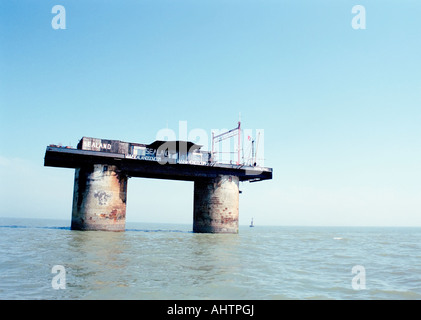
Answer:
(226, 135)
(213, 147)
(239, 140)
(252, 152)
(257, 146)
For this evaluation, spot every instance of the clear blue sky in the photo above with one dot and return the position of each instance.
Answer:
(340, 108)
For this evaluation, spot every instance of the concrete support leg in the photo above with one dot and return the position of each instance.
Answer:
(99, 199)
(216, 205)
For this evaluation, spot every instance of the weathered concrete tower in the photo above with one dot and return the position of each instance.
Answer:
(216, 203)
(99, 198)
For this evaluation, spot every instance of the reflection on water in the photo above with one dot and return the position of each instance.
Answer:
(151, 264)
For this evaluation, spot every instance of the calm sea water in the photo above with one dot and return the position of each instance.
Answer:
(158, 261)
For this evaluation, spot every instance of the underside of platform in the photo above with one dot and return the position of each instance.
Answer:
(74, 158)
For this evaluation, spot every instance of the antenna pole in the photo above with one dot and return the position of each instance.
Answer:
(257, 146)
(213, 146)
(252, 152)
(239, 140)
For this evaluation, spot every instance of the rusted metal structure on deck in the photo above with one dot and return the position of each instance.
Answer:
(103, 167)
